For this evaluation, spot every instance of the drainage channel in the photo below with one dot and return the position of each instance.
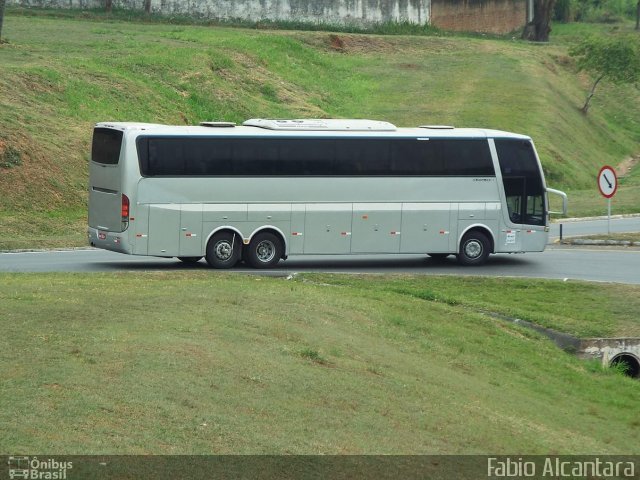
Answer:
(612, 352)
(620, 352)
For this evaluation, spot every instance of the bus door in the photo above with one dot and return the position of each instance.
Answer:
(524, 195)
(510, 239)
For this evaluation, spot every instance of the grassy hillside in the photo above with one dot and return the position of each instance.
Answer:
(314, 365)
(59, 76)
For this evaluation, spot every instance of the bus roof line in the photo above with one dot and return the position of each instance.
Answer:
(339, 126)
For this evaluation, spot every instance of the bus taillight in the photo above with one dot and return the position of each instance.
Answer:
(125, 211)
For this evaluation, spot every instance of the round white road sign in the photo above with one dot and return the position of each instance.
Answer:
(607, 181)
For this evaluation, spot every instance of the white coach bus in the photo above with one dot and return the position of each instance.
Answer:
(273, 188)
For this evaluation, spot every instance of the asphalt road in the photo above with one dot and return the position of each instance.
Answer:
(593, 264)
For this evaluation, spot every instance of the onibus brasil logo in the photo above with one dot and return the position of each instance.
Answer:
(38, 469)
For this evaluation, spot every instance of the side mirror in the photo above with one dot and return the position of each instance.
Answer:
(565, 201)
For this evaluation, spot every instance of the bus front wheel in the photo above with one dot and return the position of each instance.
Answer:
(474, 249)
(223, 250)
(264, 250)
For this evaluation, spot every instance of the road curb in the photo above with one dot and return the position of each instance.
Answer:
(45, 250)
(606, 243)
(588, 219)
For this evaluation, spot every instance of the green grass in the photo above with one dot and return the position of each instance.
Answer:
(578, 308)
(321, 364)
(44, 229)
(576, 31)
(588, 202)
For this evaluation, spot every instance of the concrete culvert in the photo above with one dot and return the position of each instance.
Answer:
(629, 363)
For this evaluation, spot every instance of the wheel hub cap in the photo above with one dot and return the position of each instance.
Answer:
(223, 250)
(473, 249)
(265, 251)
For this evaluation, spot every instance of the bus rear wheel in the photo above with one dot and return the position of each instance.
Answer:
(223, 250)
(264, 251)
(474, 249)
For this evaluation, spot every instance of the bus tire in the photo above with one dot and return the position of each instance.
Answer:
(223, 250)
(264, 250)
(474, 248)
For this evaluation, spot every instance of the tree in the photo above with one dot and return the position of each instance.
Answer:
(638, 16)
(616, 59)
(538, 29)
(2, 4)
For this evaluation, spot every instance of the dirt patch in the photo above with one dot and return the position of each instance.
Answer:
(564, 61)
(551, 66)
(363, 44)
(336, 42)
(38, 84)
(627, 165)
(409, 66)
(369, 44)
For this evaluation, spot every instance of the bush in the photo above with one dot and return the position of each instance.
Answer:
(606, 11)
(9, 156)
(616, 59)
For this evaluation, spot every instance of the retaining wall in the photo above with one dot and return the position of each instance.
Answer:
(497, 16)
(493, 16)
(341, 12)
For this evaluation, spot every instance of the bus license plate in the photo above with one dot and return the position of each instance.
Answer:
(102, 235)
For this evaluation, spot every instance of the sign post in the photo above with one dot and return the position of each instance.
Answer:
(608, 185)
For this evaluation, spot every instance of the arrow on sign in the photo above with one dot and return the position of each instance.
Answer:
(607, 181)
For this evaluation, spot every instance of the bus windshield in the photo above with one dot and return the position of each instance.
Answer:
(522, 181)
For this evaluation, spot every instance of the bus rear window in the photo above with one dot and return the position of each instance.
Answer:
(106, 146)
